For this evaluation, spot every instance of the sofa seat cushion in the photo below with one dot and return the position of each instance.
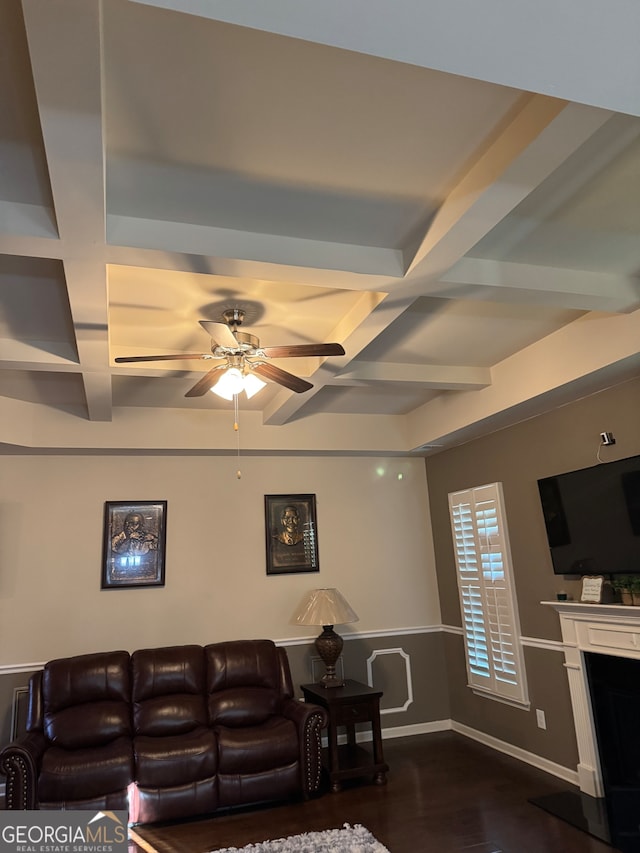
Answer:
(175, 759)
(77, 774)
(179, 802)
(255, 749)
(241, 789)
(115, 801)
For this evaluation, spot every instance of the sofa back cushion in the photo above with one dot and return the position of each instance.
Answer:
(244, 682)
(86, 699)
(168, 690)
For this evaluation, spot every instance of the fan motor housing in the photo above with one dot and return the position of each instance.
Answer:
(246, 341)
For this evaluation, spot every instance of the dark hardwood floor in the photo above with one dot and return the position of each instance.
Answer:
(445, 793)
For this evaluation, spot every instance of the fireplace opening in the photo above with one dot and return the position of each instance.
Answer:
(614, 686)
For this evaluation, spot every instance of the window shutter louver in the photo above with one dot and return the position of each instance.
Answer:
(487, 599)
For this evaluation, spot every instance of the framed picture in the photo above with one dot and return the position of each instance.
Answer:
(292, 534)
(134, 542)
(592, 589)
(596, 590)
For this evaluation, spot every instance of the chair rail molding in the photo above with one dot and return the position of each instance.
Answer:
(16, 668)
(366, 635)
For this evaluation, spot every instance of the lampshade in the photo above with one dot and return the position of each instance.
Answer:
(233, 382)
(252, 384)
(326, 607)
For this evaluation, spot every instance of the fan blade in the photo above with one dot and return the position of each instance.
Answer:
(220, 333)
(134, 358)
(270, 371)
(203, 385)
(301, 350)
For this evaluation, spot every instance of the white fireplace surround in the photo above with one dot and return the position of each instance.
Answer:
(610, 629)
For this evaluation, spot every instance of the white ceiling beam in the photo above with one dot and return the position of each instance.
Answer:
(210, 264)
(617, 134)
(65, 47)
(98, 391)
(206, 431)
(583, 52)
(567, 288)
(592, 353)
(188, 238)
(287, 405)
(538, 140)
(437, 376)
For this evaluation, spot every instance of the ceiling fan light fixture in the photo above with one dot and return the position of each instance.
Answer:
(232, 382)
(235, 349)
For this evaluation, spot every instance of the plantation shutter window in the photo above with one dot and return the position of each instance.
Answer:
(495, 664)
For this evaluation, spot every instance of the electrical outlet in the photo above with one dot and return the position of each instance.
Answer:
(542, 722)
(607, 439)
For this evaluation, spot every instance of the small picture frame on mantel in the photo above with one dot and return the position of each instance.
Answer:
(595, 590)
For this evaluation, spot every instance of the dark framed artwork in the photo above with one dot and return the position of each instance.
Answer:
(133, 553)
(292, 534)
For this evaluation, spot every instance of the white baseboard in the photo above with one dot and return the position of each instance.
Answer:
(531, 758)
(564, 773)
(416, 729)
(524, 755)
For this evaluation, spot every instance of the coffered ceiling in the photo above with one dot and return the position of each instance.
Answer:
(454, 200)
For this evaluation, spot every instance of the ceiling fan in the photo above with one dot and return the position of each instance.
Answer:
(242, 351)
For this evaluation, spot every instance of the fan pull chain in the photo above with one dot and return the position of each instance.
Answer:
(236, 426)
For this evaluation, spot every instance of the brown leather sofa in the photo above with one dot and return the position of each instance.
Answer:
(165, 733)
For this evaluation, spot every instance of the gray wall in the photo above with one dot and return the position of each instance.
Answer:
(562, 440)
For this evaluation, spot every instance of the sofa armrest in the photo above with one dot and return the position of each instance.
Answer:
(20, 762)
(310, 720)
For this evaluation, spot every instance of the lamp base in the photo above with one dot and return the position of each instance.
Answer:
(328, 681)
(329, 645)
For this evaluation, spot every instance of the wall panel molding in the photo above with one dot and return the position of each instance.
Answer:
(407, 668)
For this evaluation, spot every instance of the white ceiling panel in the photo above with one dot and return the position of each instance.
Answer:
(163, 163)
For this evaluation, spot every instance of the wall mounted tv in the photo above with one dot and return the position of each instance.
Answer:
(592, 518)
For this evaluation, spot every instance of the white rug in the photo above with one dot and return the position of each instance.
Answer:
(350, 839)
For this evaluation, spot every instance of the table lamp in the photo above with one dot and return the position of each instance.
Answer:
(326, 607)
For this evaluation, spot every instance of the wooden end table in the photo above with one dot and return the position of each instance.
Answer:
(353, 703)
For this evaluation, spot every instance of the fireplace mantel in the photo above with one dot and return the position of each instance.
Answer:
(601, 612)
(609, 629)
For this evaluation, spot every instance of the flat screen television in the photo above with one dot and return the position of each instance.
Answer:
(592, 518)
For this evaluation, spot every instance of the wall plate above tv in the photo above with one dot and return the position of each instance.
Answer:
(592, 518)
